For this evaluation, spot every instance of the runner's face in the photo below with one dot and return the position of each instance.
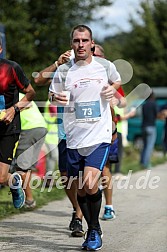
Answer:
(98, 53)
(82, 44)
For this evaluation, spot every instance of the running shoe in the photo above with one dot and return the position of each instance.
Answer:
(85, 243)
(17, 191)
(94, 241)
(109, 214)
(71, 226)
(77, 228)
(30, 204)
(99, 230)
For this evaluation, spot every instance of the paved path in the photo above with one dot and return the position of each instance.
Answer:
(140, 226)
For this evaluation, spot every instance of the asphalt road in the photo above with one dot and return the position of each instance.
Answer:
(140, 225)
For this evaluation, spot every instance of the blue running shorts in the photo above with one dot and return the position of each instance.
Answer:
(95, 156)
(113, 154)
(62, 147)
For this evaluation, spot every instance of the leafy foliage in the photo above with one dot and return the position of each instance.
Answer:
(146, 44)
(38, 31)
(144, 47)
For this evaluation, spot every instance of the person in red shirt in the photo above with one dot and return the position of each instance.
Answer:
(120, 101)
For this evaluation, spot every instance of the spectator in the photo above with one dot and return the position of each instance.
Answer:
(149, 115)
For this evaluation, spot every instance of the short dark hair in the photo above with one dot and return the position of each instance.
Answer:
(93, 49)
(81, 28)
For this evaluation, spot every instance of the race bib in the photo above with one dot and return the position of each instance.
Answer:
(87, 111)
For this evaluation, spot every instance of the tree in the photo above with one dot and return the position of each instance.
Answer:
(20, 44)
(146, 44)
(38, 31)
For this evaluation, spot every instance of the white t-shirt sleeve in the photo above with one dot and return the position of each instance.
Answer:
(56, 84)
(114, 76)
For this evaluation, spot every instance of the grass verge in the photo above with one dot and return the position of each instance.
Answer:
(131, 160)
(42, 198)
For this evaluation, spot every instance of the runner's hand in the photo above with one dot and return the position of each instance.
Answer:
(58, 98)
(108, 92)
(64, 58)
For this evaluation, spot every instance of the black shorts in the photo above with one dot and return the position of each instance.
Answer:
(62, 156)
(8, 146)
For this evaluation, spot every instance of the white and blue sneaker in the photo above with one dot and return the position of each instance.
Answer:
(17, 191)
(109, 213)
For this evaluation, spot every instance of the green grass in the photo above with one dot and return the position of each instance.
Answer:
(131, 160)
(42, 198)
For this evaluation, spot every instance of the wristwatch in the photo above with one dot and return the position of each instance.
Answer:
(17, 110)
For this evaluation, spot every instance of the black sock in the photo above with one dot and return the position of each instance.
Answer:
(82, 201)
(94, 205)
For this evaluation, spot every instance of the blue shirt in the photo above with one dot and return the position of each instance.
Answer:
(61, 132)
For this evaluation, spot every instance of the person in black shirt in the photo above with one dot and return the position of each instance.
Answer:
(12, 79)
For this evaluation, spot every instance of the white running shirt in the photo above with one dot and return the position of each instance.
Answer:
(87, 119)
